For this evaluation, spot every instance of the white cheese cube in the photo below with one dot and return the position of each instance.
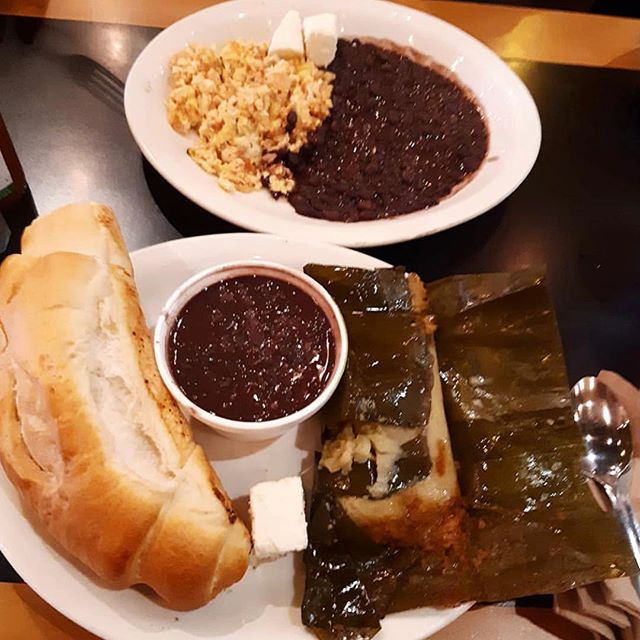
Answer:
(286, 41)
(321, 38)
(277, 517)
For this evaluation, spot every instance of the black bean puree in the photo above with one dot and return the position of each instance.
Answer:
(251, 348)
(400, 137)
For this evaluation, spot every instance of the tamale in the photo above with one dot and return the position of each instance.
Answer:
(525, 522)
(385, 484)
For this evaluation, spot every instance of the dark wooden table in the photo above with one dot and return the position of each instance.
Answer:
(578, 212)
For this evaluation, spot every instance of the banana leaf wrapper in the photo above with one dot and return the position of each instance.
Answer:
(352, 570)
(533, 525)
(529, 523)
(381, 383)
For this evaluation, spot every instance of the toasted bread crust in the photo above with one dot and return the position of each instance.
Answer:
(98, 450)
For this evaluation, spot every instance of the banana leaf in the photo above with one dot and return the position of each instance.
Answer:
(533, 524)
(350, 578)
(530, 524)
(381, 384)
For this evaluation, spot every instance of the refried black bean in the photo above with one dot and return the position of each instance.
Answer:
(292, 120)
(252, 348)
(399, 138)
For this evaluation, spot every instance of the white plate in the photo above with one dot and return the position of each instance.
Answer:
(266, 603)
(512, 117)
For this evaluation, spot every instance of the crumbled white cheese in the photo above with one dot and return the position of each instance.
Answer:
(321, 38)
(286, 41)
(340, 453)
(373, 442)
(277, 517)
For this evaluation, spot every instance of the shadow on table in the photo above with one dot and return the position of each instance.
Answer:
(449, 252)
(7, 572)
(25, 28)
(188, 218)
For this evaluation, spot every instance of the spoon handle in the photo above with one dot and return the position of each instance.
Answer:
(624, 512)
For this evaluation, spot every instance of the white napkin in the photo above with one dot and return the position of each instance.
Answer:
(593, 602)
(568, 606)
(621, 594)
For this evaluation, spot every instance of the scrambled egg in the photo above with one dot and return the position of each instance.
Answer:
(246, 106)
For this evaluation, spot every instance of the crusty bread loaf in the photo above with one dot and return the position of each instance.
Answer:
(85, 227)
(89, 435)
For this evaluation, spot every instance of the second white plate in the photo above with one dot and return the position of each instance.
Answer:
(266, 602)
(512, 116)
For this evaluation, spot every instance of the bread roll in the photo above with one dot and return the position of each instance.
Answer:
(89, 435)
(85, 227)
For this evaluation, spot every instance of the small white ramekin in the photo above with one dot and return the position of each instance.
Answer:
(237, 429)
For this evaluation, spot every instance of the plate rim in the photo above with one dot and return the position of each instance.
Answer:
(30, 577)
(527, 104)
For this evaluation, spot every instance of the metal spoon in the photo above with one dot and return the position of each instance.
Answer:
(605, 429)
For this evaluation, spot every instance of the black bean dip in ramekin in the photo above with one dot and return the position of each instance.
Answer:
(252, 348)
